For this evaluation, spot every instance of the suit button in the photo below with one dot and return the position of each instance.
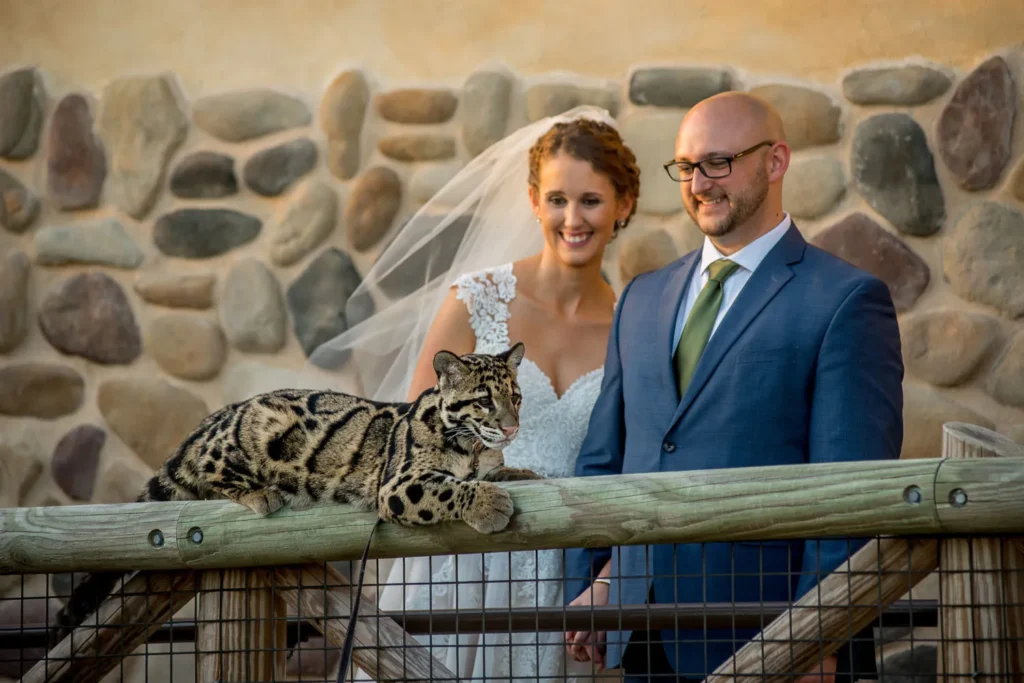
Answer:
(668, 446)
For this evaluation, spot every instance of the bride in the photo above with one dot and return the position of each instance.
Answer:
(542, 206)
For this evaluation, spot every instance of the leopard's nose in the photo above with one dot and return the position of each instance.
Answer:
(510, 431)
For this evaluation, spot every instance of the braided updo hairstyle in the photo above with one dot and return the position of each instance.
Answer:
(594, 142)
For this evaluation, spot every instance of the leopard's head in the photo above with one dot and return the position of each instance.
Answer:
(480, 395)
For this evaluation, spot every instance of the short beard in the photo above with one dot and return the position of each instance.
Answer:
(743, 206)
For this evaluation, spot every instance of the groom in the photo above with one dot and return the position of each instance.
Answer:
(758, 349)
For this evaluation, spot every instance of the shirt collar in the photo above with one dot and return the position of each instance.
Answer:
(750, 256)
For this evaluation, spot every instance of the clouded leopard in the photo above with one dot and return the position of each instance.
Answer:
(429, 461)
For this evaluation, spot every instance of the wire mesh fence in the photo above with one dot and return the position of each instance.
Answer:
(901, 609)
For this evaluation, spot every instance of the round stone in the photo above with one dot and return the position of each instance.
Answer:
(975, 127)
(904, 86)
(177, 290)
(429, 179)
(318, 297)
(860, 241)
(248, 114)
(1016, 185)
(76, 460)
(308, 218)
(429, 260)
(22, 104)
(813, 186)
(187, 346)
(204, 233)
(20, 466)
(925, 411)
(551, 99)
(251, 308)
(372, 206)
(417, 146)
(42, 390)
(416, 105)
(944, 347)
(983, 256)
(100, 242)
(271, 171)
(646, 133)
(14, 272)
(88, 315)
(151, 416)
(1006, 382)
(644, 252)
(676, 87)
(76, 165)
(18, 206)
(484, 113)
(894, 171)
(342, 111)
(810, 117)
(204, 175)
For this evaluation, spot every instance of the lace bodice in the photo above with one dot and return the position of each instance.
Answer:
(551, 428)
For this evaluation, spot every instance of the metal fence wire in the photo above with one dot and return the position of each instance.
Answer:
(905, 610)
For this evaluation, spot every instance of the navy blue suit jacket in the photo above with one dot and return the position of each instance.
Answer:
(805, 367)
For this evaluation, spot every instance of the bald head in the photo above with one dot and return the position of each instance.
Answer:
(746, 116)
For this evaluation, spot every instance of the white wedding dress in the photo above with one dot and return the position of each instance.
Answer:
(551, 432)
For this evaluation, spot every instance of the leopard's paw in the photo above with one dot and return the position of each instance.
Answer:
(490, 510)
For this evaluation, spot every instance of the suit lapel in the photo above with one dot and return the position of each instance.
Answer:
(771, 275)
(675, 291)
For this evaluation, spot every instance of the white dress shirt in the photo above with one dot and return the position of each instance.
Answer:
(748, 259)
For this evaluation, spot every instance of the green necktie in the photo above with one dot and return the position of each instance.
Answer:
(700, 322)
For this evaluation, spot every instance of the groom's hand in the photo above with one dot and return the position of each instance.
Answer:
(586, 646)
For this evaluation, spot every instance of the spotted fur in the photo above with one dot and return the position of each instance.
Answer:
(425, 462)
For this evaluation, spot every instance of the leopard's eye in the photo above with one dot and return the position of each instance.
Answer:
(486, 403)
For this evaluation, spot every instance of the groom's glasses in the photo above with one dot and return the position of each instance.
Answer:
(715, 167)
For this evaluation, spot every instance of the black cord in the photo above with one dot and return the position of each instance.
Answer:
(350, 634)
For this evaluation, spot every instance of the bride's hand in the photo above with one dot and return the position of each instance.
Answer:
(585, 646)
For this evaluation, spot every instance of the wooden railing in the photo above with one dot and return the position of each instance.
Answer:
(975, 487)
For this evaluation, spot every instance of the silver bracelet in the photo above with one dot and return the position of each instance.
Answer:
(603, 580)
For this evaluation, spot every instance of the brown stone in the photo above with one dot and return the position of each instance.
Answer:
(76, 460)
(417, 146)
(20, 465)
(862, 242)
(308, 217)
(176, 290)
(813, 186)
(925, 411)
(809, 117)
(416, 105)
(372, 206)
(944, 347)
(644, 252)
(983, 256)
(975, 127)
(121, 482)
(88, 315)
(42, 390)
(77, 164)
(14, 271)
(187, 346)
(1016, 185)
(342, 112)
(150, 415)
(1006, 383)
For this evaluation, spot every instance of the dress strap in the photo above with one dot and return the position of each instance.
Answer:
(487, 295)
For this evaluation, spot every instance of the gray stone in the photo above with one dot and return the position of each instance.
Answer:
(22, 104)
(342, 112)
(894, 171)
(813, 186)
(76, 461)
(417, 146)
(186, 345)
(308, 218)
(676, 87)
(248, 114)
(177, 290)
(430, 260)
(1016, 184)
(429, 179)
(18, 206)
(204, 175)
(983, 256)
(1006, 382)
(271, 171)
(485, 106)
(21, 457)
(975, 127)
(809, 117)
(650, 134)
(925, 411)
(14, 271)
(371, 207)
(416, 105)
(150, 415)
(551, 99)
(251, 309)
(204, 233)
(76, 165)
(862, 242)
(905, 86)
(43, 390)
(88, 315)
(917, 664)
(101, 242)
(142, 124)
(944, 347)
(318, 298)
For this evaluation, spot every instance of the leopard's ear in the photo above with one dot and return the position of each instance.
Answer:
(449, 368)
(514, 356)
